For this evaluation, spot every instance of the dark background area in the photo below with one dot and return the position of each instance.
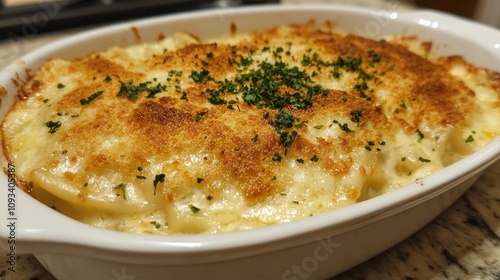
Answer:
(464, 8)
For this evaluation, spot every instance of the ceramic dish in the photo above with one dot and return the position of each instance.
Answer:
(313, 248)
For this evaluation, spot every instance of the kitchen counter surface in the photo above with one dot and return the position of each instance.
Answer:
(462, 243)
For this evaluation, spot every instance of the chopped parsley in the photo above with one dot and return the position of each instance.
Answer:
(420, 135)
(173, 72)
(299, 124)
(155, 224)
(53, 126)
(121, 187)
(132, 91)
(159, 178)
(184, 96)
(200, 116)
(314, 158)
(215, 98)
(374, 56)
(194, 209)
(261, 87)
(469, 139)
(345, 128)
(90, 98)
(356, 115)
(287, 138)
(59, 85)
(200, 77)
(284, 119)
(423, 159)
(245, 61)
(306, 60)
(277, 157)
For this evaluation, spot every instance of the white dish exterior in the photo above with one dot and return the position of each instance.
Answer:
(317, 247)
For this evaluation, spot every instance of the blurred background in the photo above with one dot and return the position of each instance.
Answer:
(486, 11)
(60, 14)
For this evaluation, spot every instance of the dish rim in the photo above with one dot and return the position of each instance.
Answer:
(343, 219)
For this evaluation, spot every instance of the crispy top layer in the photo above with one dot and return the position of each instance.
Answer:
(289, 93)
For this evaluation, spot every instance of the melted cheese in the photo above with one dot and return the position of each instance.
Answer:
(185, 136)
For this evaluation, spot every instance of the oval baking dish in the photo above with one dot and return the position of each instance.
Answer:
(314, 248)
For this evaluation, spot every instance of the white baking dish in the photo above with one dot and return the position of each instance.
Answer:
(314, 248)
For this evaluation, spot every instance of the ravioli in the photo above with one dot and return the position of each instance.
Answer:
(185, 136)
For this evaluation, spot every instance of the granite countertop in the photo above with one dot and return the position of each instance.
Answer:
(462, 243)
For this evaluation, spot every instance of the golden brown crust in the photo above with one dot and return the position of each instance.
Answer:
(241, 142)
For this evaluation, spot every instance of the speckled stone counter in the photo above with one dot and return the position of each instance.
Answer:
(462, 243)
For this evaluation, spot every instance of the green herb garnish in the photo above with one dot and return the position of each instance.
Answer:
(277, 157)
(155, 224)
(122, 187)
(345, 127)
(53, 126)
(420, 135)
(90, 98)
(194, 209)
(423, 159)
(200, 116)
(159, 178)
(200, 77)
(287, 138)
(356, 115)
(132, 91)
